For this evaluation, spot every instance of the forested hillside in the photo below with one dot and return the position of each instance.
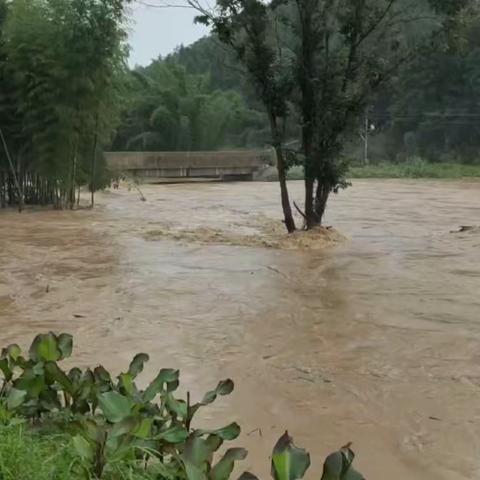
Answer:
(197, 98)
(194, 99)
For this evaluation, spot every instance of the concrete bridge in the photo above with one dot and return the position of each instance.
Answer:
(164, 166)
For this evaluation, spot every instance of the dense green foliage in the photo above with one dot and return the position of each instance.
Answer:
(59, 64)
(85, 424)
(435, 98)
(172, 109)
(431, 109)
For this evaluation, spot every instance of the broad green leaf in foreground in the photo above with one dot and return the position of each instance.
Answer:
(15, 398)
(338, 466)
(173, 434)
(65, 344)
(225, 387)
(137, 364)
(166, 376)
(6, 370)
(230, 432)
(248, 476)
(56, 374)
(83, 447)
(12, 351)
(223, 469)
(114, 406)
(45, 348)
(288, 461)
(194, 457)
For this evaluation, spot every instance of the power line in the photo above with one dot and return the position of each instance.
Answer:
(162, 5)
(425, 114)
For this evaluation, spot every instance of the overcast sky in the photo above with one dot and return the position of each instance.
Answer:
(157, 31)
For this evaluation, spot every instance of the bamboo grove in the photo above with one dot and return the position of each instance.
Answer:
(61, 64)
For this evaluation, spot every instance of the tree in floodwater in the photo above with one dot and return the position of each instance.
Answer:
(338, 54)
(346, 50)
(59, 61)
(246, 27)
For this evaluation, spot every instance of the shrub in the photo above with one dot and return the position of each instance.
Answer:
(112, 429)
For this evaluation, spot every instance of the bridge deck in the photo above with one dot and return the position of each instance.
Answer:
(221, 164)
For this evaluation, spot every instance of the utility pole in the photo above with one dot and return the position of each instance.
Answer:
(364, 133)
(365, 139)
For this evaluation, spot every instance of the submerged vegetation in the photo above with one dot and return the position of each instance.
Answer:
(86, 424)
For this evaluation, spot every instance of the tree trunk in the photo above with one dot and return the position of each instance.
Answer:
(282, 174)
(310, 218)
(321, 198)
(306, 76)
(309, 169)
(282, 180)
(3, 190)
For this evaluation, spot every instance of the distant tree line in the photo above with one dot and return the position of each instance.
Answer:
(171, 108)
(430, 108)
(304, 77)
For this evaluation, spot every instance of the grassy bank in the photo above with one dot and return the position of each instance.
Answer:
(416, 170)
(389, 170)
(26, 454)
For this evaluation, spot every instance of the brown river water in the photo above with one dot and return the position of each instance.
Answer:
(374, 339)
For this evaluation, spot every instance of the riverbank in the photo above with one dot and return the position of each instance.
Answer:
(416, 170)
(390, 170)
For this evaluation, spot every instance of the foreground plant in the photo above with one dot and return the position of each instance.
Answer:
(111, 422)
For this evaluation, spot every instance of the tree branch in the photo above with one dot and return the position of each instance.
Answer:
(375, 25)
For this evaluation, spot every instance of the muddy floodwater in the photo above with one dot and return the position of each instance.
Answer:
(374, 339)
